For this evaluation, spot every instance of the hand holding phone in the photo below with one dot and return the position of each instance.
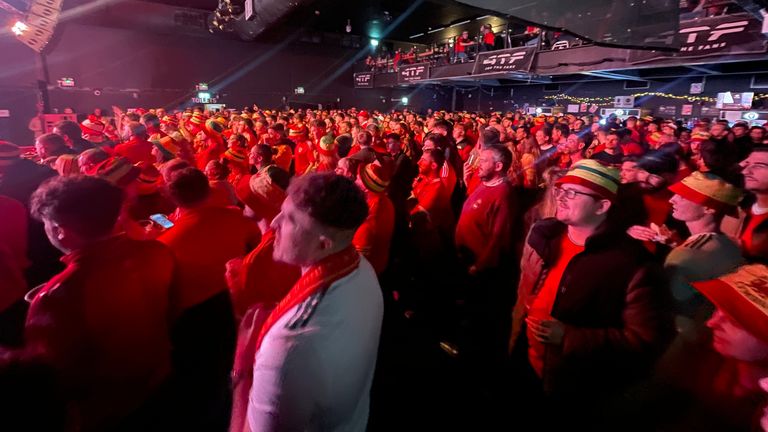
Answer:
(161, 220)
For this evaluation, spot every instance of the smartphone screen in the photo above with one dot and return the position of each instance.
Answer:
(161, 220)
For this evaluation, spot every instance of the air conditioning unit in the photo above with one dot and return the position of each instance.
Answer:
(623, 101)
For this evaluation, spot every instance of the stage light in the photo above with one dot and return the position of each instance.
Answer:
(349, 26)
(19, 28)
(404, 100)
(601, 122)
(538, 110)
(374, 43)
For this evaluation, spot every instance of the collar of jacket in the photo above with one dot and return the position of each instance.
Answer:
(545, 233)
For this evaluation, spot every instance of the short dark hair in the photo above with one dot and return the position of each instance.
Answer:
(265, 151)
(491, 136)
(172, 166)
(501, 154)
(440, 141)
(437, 155)
(188, 187)
(563, 128)
(89, 206)
(150, 119)
(330, 199)
(69, 129)
(137, 129)
(278, 127)
(52, 139)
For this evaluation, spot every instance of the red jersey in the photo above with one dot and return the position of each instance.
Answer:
(435, 199)
(489, 38)
(303, 157)
(373, 237)
(484, 230)
(104, 322)
(747, 245)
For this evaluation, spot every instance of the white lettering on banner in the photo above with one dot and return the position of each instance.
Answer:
(412, 72)
(503, 59)
(693, 34)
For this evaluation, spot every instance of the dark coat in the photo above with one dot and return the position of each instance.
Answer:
(614, 304)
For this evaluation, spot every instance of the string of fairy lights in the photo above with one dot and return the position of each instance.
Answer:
(608, 99)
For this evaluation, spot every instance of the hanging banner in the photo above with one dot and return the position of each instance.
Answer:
(412, 72)
(504, 61)
(364, 80)
(713, 36)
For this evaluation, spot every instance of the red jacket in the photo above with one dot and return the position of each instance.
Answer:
(484, 230)
(203, 240)
(136, 150)
(104, 322)
(264, 279)
(373, 237)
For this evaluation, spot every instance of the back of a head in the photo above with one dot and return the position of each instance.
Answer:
(70, 129)
(150, 120)
(87, 206)
(266, 152)
(491, 136)
(332, 200)
(189, 187)
(171, 167)
(55, 143)
(441, 142)
(137, 129)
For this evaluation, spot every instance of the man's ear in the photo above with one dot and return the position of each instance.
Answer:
(603, 206)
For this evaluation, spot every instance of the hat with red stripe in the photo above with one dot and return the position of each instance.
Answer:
(593, 175)
(9, 152)
(375, 177)
(149, 179)
(742, 296)
(93, 129)
(66, 165)
(118, 170)
(167, 146)
(708, 190)
(169, 120)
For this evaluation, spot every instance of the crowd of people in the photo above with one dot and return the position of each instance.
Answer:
(231, 270)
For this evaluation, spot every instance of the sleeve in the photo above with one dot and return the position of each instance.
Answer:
(364, 236)
(648, 324)
(287, 382)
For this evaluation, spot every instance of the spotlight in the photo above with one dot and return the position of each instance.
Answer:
(374, 43)
(404, 100)
(19, 28)
(348, 28)
(538, 110)
(601, 122)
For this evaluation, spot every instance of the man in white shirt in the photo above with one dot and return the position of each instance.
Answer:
(316, 352)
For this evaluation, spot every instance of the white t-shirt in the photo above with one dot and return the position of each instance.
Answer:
(315, 367)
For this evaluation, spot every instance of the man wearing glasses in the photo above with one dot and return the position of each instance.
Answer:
(590, 316)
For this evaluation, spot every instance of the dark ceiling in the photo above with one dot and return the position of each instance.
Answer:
(371, 19)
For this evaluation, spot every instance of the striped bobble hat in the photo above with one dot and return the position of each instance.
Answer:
(118, 170)
(234, 154)
(213, 128)
(66, 165)
(149, 178)
(593, 175)
(708, 190)
(9, 152)
(167, 146)
(375, 177)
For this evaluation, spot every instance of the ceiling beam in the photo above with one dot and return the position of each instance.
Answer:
(613, 75)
